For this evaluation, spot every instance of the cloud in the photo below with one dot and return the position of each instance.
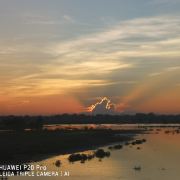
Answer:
(68, 18)
(160, 2)
(29, 86)
(155, 74)
(7, 50)
(95, 59)
(105, 106)
(45, 20)
(151, 36)
(102, 107)
(165, 71)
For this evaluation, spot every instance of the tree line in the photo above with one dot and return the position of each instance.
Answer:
(36, 122)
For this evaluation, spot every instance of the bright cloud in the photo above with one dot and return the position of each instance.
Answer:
(105, 106)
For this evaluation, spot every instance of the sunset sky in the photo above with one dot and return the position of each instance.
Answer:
(62, 56)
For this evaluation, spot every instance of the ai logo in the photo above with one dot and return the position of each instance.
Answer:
(65, 173)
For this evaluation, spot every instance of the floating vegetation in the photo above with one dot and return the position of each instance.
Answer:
(77, 157)
(163, 169)
(167, 132)
(118, 146)
(137, 168)
(100, 153)
(82, 161)
(58, 163)
(138, 141)
(176, 131)
(90, 156)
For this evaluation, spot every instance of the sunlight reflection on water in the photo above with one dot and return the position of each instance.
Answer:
(158, 158)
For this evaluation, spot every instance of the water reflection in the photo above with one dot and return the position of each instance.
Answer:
(150, 156)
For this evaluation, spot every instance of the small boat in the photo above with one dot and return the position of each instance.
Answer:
(137, 168)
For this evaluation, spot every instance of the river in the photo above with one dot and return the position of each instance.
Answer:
(157, 159)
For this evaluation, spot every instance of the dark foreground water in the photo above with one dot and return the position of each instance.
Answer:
(157, 159)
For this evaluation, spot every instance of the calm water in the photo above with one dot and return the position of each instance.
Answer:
(105, 126)
(159, 158)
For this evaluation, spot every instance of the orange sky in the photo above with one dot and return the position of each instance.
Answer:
(40, 105)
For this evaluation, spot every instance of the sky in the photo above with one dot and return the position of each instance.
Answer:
(67, 56)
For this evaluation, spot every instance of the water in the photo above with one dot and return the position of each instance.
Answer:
(158, 159)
